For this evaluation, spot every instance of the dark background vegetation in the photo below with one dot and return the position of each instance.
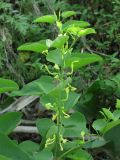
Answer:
(99, 83)
(16, 27)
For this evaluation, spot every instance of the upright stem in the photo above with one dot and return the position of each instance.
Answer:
(57, 148)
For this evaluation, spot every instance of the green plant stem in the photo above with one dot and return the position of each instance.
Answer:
(57, 149)
(73, 43)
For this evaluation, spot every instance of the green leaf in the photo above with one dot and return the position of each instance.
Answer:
(76, 119)
(49, 43)
(60, 87)
(72, 144)
(77, 31)
(74, 23)
(9, 121)
(30, 89)
(52, 131)
(118, 104)
(46, 19)
(7, 85)
(57, 91)
(43, 85)
(39, 46)
(60, 41)
(86, 31)
(48, 99)
(99, 124)
(108, 114)
(11, 150)
(68, 14)
(44, 125)
(74, 30)
(110, 125)
(74, 125)
(53, 97)
(96, 143)
(55, 56)
(46, 84)
(78, 60)
(116, 115)
(29, 146)
(43, 155)
(113, 136)
(80, 155)
(4, 158)
(72, 100)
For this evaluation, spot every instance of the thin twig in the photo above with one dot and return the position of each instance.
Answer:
(90, 50)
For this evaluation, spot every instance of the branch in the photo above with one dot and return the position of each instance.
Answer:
(90, 50)
(19, 104)
(26, 129)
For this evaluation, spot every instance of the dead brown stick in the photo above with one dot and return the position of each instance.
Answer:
(26, 129)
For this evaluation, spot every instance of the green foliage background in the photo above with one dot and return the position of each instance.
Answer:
(16, 27)
(15, 24)
(98, 84)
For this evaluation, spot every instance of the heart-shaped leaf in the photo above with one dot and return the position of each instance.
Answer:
(7, 85)
(43, 155)
(40, 86)
(74, 23)
(77, 60)
(44, 125)
(4, 158)
(99, 124)
(80, 32)
(109, 126)
(39, 46)
(118, 104)
(74, 125)
(46, 19)
(80, 155)
(71, 101)
(9, 121)
(29, 147)
(11, 150)
(67, 14)
(55, 56)
(116, 114)
(86, 31)
(30, 89)
(60, 41)
(113, 136)
(108, 113)
(96, 143)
